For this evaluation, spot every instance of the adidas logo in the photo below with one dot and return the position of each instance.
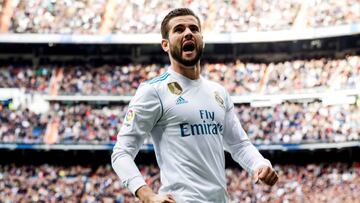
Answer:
(181, 100)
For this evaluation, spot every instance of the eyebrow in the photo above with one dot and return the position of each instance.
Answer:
(182, 25)
(178, 25)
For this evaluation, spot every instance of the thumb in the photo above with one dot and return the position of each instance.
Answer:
(170, 196)
(260, 174)
(256, 175)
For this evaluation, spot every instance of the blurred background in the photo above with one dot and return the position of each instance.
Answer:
(69, 68)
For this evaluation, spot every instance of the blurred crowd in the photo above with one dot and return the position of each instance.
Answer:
(74, 123)
(238, 77)
(85, 124)
(217, 16)
(99, 124)
(26, 77)
(88, 123)
(21, 126)
(66, 17)
(107, 79)
(333, 12)
(336, 182)
(138, 16)
(301, 123)
(286, 77)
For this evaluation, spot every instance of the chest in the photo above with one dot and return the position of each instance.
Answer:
(195, 105)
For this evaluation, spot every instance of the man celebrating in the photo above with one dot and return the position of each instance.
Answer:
(191, 120)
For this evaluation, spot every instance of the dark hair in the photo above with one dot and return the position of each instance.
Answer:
(172, 14)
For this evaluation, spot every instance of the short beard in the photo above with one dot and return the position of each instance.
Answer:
(177, 55)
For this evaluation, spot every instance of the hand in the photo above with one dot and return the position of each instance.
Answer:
(146, 195)
(157, 198)
(266, 174)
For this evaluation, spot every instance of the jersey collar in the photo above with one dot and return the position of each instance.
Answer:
(185, 80)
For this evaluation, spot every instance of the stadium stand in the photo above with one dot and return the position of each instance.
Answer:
(336, 182)
(332, 12)
(238, 77)
(100, 16)
(57, 17)
(95, 124)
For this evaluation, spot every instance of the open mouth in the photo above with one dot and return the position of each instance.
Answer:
(188, 46)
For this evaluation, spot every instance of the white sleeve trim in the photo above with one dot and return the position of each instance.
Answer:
(135, 183)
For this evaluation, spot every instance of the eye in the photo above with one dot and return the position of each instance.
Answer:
(178, 29)
(194, 29)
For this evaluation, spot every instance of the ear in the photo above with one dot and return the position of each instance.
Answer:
(165, 45)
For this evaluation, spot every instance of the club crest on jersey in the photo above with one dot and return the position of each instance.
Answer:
(175, 88)
(219, 99)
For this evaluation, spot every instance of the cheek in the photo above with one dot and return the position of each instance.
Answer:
(200, 44)
(200, 41)
(174, 43)
(174, 39)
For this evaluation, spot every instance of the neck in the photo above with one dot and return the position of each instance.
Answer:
(192, 72)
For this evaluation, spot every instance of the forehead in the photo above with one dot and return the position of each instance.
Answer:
(183, 20)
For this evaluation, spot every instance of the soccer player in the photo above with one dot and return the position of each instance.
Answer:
(191, 120)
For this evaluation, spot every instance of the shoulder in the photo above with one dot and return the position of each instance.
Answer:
(158, 79)
(157, 83)
(151, 87)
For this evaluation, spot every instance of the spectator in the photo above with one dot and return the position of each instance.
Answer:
(66, 17)
(95, 124)
(238, 77)
(323, 13)
(336, 182)
(134, 16)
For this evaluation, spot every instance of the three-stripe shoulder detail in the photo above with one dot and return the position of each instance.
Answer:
(158, 79)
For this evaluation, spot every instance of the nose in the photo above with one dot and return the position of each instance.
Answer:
(188, 33)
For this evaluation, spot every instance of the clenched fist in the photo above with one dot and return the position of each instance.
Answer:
(157, 198)
(146, 195)
(266, 174)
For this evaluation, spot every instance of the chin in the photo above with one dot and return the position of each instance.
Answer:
(189, 67)
(189, 63)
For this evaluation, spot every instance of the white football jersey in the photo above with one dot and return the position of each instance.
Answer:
(190, 122)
